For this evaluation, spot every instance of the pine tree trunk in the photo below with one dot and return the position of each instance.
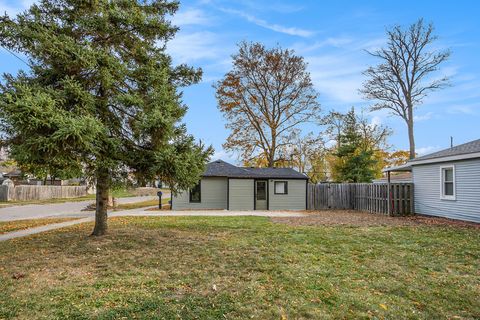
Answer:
(101, 203)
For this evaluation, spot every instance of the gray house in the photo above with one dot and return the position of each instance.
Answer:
(447, 182)
(225, 186)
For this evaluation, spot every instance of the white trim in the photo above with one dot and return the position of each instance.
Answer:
(407, 167)
(446, 159)
(442, 183)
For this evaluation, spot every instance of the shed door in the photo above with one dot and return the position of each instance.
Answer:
(261, 195)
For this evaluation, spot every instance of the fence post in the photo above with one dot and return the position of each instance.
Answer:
(389, 195)
(412, 197)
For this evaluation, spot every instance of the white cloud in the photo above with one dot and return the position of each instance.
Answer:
(229, 157)
(293, 31)
(426, 150)
(376, 121)
(469, 109)
(189, 47)
(336, 65)
(304, 48)
(426, 116)
(191, 16)
(336, 77)
(269, 6)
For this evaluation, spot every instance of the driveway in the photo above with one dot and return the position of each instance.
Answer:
(54, 210)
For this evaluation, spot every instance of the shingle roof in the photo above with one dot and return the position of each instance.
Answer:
(466, 148)
(401, 177)
(221, 168)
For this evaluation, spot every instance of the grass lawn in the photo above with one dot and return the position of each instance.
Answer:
(239, 268)
(142, 204)
(10, 226)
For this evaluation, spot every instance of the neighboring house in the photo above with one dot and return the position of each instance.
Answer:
(400, 177)
(14, 175)
(447, 182)
(225, 186)
(47, 182)
(19, 178)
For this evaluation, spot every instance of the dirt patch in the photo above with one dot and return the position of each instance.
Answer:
(365, 219)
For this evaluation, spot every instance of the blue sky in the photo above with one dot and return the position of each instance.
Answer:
(332, 36)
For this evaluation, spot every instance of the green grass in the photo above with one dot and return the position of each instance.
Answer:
(142, 204)
(122, 193)
(241, 268)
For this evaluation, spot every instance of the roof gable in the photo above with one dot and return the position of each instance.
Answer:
(220, 168)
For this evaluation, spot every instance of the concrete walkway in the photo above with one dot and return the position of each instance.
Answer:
(48, 227)
(143, 213)
(71, 209)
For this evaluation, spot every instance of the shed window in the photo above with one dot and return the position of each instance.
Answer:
(196, 193)
(281, 187)
(448, 183)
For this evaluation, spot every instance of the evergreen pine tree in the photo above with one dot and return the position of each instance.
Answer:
(100, 97)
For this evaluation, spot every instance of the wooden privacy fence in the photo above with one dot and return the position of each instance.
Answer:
(371, 197)
(27, 192)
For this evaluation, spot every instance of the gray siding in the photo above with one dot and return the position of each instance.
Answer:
(214, 196)
(294, 200)
(241, 194)
(427, 184)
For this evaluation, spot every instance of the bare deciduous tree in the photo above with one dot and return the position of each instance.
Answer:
(266, 95)
(404, 77)
(301, 150)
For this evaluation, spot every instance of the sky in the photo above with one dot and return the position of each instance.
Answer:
(333, 37)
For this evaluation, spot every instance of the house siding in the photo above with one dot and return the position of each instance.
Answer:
(294, 200)
(241, 194)
(427, 181)
(213, 196)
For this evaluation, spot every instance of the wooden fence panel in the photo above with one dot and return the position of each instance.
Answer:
(3, 193)
(371, 197)
(32, 192)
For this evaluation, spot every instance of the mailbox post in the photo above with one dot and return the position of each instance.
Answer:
(159, 194)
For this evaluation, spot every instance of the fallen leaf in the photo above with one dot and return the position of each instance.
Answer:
(18, 275)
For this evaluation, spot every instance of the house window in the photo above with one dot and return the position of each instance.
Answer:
(196, 193)
(281, 187)
(448, 183)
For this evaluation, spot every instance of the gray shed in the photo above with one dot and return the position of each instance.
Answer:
(447, 182)
(228, 187)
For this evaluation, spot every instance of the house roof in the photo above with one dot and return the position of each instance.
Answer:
(220, 168)
(400, 177)
(469, 150)
(462, 149)
(13, 173)
(403, 167)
